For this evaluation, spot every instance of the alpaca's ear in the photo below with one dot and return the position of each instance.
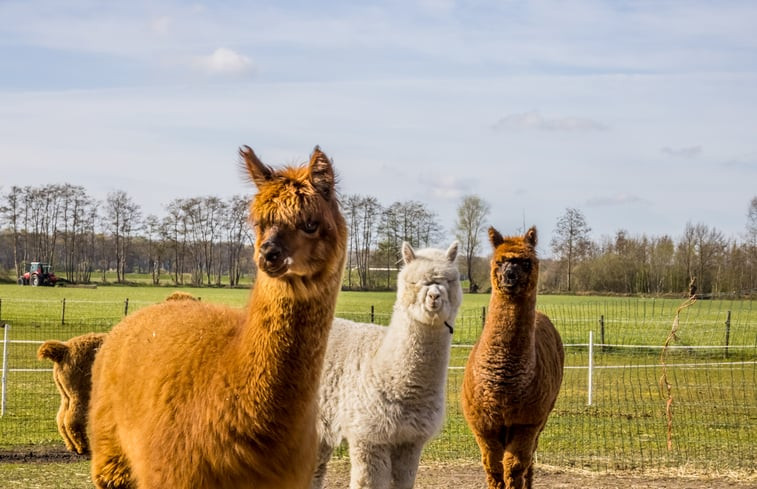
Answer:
(408, 254)
(452, 251)
(321, 173)
(531, 237)
(494, 237)
(258, 171)
(53, 350)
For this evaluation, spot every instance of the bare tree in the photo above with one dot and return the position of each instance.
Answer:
(122, 216)
(710, 247)
(469, 226)
(77, 211)
(362, 215)
(238, 233)
(570, 241)
(11, 211)
(155, 246)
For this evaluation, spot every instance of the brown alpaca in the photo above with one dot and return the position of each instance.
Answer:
(514, 371)
(188, 394)
(180, 295)
(72, 372)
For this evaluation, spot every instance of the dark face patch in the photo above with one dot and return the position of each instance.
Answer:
(513, 273)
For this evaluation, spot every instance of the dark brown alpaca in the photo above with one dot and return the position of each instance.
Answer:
(514, 371)
(188, 394)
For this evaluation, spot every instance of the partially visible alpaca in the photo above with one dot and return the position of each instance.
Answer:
(180, 295)
(72, 372)
(188, 394)
(383, 388)
(514, 371)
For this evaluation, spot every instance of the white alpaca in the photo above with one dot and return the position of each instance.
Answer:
(383, 388)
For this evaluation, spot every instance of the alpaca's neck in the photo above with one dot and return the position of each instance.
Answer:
(416, 351)
(282, 345)
(510, 327)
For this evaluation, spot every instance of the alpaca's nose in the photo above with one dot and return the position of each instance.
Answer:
(510, 273)
(434, 294)
(271, 251)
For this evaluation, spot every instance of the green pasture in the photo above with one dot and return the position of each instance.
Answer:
(714, 390)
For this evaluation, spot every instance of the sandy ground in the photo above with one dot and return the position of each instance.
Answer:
(466, 475)
(471, 476)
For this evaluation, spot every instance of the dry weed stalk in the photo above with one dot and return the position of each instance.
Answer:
(664, 379)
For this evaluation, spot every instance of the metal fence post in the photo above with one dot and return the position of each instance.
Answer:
(602, 331)
(126, 307)
(591, 366)
(63, 313)
(6, 327)
(372, 315)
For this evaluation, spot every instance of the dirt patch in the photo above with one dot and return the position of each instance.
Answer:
(40, 455)
(462, 475)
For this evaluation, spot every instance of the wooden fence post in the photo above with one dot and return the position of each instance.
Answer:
(727, 332)
(63, 313)
(372, 314)
(126, 307)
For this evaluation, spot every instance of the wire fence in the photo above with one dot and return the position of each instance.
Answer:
(611, 411)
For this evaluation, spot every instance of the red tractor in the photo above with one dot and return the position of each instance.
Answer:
(39, 274)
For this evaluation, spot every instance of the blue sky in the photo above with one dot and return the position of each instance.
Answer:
(643, 115)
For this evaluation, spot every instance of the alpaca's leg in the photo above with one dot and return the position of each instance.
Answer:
(324, 455)
(529, 476)
(405, 459)
(492, 449)
(519, 454)
(370, 466)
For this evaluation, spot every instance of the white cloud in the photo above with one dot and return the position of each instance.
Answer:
(535, 121)
(445, 187)
(224, 61)
(687, 152)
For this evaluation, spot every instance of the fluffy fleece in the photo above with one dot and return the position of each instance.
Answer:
(383, 388)
(515, 369)
(188, 394)
(72, 372)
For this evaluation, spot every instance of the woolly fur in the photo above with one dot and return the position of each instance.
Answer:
(383, 388)
(188, 394)
(72, 372)
(514, 371)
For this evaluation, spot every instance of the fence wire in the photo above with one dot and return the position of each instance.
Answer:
(712, 370)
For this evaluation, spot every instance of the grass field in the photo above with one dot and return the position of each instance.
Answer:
(715, 393)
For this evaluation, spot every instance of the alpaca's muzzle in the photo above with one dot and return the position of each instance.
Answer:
(272, 259)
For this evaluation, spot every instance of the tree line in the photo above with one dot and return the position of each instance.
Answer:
(198, 241)
(206, 240)
(653, 265)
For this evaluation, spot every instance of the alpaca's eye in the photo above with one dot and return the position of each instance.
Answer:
(310, 227)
